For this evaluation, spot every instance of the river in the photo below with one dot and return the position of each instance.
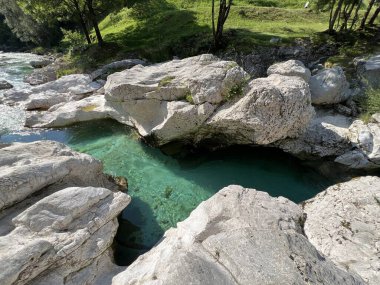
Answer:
(164, 189)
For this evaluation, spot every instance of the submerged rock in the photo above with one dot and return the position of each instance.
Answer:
(290, 68)
(329, 86)
(343, 223)
(5, 85)
(239, 236)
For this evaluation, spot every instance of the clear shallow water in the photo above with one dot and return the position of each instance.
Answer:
(164, 189)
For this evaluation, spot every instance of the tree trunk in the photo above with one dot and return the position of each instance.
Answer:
(335, 15)
(82, 21)
(374, 16)
(94, 22)
(347, 12)
(224, 10)
(367, 12)
(356, 17)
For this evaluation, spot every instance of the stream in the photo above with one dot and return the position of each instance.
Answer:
(164, 189)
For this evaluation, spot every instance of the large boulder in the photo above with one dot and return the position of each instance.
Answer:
(351, 143)
(290, 68)
(5, 85)
(50, 231)
(48, 94)
(204, 78)
(41, 62)
(343, 223)
(369, 70)
(272, 109)
(56, 239)
(65, 114)
(329, 86)
(239, 236)
(25, 169)
(115, 66)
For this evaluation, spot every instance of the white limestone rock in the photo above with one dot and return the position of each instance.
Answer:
(343, 223)
(348, 142)
(64, 114)
(61, 234)
(26, 168)
(116, 66)
(329, 86)
(239, 236)
(272, 109)
(52, 92)
(205, 78)
(290, 68)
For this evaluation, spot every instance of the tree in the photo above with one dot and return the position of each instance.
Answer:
(92, 16)
(375, 15)
(217, 30)
(366, 14)
(22, 25)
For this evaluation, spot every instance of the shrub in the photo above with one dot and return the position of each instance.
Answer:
(370, 104)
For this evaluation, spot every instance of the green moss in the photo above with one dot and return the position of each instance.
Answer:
(166, 81)
(189, 97)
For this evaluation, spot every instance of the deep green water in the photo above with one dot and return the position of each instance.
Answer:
(165, 189)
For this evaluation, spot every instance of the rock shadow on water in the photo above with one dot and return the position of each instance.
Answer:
(131, 240)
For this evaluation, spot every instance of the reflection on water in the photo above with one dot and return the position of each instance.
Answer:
(164, 189)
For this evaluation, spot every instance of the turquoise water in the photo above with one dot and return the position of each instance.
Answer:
(166, 189)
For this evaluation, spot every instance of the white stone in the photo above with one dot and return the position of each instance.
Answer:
(290, 68)
(329, 86)
(343, 223)
(239, 236)
(272, 109)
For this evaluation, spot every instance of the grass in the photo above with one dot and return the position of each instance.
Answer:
(370, 104)
(157, 30)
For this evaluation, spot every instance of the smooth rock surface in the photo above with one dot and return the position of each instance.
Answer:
(290, 68)
(205, 78)
(273, 108)
(239, 236)
(343, 223)
(75, 84)
(348, 142)
(60, 236)
(112, 67)
(329, 86)
(27, 168)
(65, 114)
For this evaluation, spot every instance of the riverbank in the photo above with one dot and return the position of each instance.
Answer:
(260, 112)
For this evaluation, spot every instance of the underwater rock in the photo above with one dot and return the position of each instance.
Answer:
(343, 223)
(239, 236)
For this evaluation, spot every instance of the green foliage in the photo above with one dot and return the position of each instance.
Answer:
(165, 81)
(235, 91)
(189, 98)
(73, 40)
(370, 104)
(67, 71)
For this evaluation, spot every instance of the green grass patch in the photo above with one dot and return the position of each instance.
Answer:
(370, 104)
(165, 81)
